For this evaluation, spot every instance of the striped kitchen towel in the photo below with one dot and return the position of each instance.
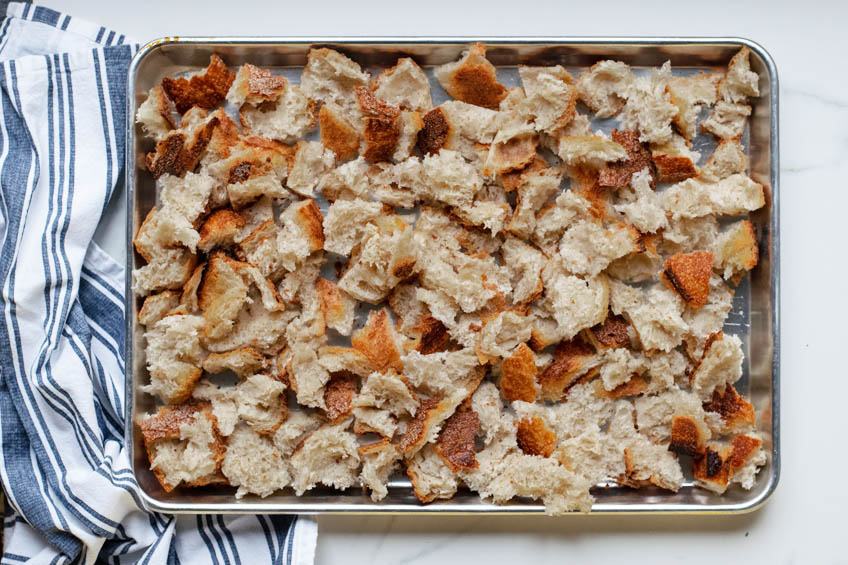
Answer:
(71, 496)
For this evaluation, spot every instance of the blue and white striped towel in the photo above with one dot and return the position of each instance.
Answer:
(71, 496)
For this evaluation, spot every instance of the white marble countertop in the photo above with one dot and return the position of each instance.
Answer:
(804, 521)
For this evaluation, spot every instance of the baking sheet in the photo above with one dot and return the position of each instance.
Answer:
(754, 315)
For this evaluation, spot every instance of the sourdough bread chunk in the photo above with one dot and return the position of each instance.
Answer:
(619, 174)
(302, 233)
(604, 87)
(404, 85)
(337, 307)
(736, 249)
(348, 181)
(173, 356)
(572, 360)
(244, 362)
(439, 374)
(430, 476)
(461, 127)
(654, 413)
(574, 302)
(649, 109)
(221, 296)
(182, 200)
(379, 461)
(254, 85)
(518, 375)
(727, 120)
(329, 456)
(337, 133)
(732, 196)
(261, 403)
(655, 314)
(534, 190)
(336, 359)
(524, 264)
(311, 160)
(720, 365)
(709, 319)
(387, 391)
(592, 150)
(255, 326)
(691, 95)
(380, 126)
(169, 269)
(378, 341)
(472, 79)
(728, 159)
(552, 221)
(220, 230)
(206, 89)
(157, 306)
(329, 76)
(740, 81)
(192, 455)
(410, 123)
(689, 234)
(551, 96)
(287, 117)
(387, 255)
(154, 114)
(587, 247)
(445, 177)
(254, 463)
(345, 223)
(512, 149)
(619, 366)
(457, 440)
(674, 160)
(641, 206)
(503, 333)
(736, 413)
(593, 455)
(689, 275)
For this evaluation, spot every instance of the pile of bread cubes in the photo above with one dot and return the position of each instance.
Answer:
(483, 294)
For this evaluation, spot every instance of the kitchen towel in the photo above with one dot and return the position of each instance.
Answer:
(70, 491)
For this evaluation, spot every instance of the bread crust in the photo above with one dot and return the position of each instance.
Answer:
(206, 90)
(518, 375)
(570, 358)
(618, 174)
(456, 441)
(534, 437)
(337, 134)
(338, 396)
(689, 275)
(376, 341)
(473, 79)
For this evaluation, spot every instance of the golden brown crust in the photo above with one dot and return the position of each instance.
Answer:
(610, 334)
(414, 435)
(175, 154)
(338, 396)
(138, 241)
(735, 411)
(309, 217)
(518, 375)
(262, 83)
(511, 180)
(206, 90)
(618, 174)
(687, 436)
(673, 168)
(742, 250)
(456, 441)
(435, 132)
(376, 341)
(689, 275)
(434, 336)
(165, 424)
(711, 467)
(534, 438)
(337, 134)
(382, 129)
(744, 447)
(475, 80)
(589, 187)
(220, 229)
(250, 361)
(332, 301)
(570, 357)
(637, 384)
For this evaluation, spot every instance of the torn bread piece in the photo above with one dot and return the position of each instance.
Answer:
(404, 85)
(219, 230)
(689, 275)
(438, 374)
(157, 306)
(649, 109)
(533, 191)
(534, 438)
(728, 159)
(410, 124)
(732, 196)
(337, 133)
(183, 445)
(329, 455)
(385, 396)
(338, 359)
(513, 148)
(456, 441)
(724, 464)
(457, 126)
(592, 150)
(381, 128)
(554, 219)
(379, 461)
(736, 413)
(740, 81)
(472, 79)
(720, 365)
(255, 85)
(736, 250)
(691, 95)
(286, 117)
(727, 120)
(430, 475)
(674, 160)
(551, 97)
(604, 87)
(378, 341)
(708, 319)
(518, 375)
(345, 223)
(255, 463)
(244, 361)
(337, 306)
(575, 303)
(173, 355)
(169, 269)
(618, 174)
(221, 295)
(655, 314)
(524, 264)
(572, 360)
(387, 255)
(641, 206)
(444, 177)
(502, 334)
(206, 90)
(587, 247)
(330, 76)
(338, 396)
(154, 114)
(311, 160)
(428, 421)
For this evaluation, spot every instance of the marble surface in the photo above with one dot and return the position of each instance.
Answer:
(804, 521)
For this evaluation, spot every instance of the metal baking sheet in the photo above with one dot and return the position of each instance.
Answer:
(754, 317)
